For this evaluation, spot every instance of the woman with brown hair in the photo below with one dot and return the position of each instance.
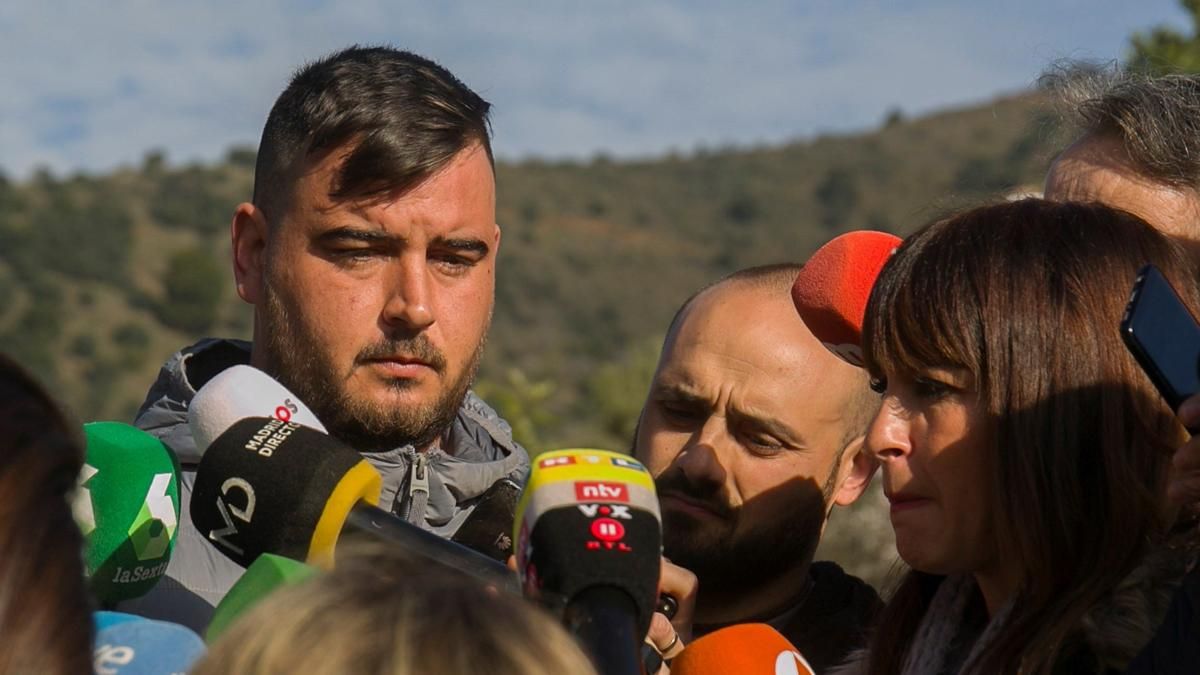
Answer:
(1024, 452)
(45, 612)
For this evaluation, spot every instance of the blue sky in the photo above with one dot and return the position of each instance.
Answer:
(94, 85)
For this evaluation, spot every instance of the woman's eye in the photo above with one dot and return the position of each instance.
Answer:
(930, 389)
(878, 385)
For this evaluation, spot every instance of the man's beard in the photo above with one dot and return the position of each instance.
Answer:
(731, 560)
(292, 357)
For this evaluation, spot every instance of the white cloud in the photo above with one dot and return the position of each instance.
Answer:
(92, 85)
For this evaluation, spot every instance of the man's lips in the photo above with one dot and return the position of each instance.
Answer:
(403, 366)
(688, 505)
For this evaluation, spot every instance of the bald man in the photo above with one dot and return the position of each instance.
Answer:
(753, 431)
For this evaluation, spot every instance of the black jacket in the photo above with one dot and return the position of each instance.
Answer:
(1175, 647)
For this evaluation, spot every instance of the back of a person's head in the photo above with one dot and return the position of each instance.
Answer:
(381, 612)
(1155, 118)
(1028, 296)
(399, 117)
(45, 611)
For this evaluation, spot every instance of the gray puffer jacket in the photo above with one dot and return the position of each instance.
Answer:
(479, 453)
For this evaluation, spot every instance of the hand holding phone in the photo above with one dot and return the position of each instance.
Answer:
(1183, 485)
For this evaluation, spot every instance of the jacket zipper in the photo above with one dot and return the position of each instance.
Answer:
(418, 489)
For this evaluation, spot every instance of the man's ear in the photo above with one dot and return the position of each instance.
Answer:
(854, 474)
(249, 235)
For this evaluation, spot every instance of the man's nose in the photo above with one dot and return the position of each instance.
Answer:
(409, 294)
(701, 459)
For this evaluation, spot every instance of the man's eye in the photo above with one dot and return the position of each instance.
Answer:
(453, 263)
(679, 413)
(763, 445)
(353, 254)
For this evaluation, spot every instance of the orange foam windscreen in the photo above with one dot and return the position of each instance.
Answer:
(832, 289)
(743, 649)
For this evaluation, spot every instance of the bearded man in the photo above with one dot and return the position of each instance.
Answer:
(368, 252)
(754, 431)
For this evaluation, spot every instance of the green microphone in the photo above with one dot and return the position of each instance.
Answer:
(263, 577)
(127, 505)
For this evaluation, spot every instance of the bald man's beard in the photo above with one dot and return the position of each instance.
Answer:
(294, 358)
(733, 556)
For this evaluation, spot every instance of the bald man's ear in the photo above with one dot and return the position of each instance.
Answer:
(854, 474)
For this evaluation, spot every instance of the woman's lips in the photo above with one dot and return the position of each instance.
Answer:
(902, 502)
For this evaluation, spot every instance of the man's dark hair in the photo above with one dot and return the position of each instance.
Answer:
(401, 116)
(1155, 118)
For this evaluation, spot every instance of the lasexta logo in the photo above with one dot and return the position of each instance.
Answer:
(81, 504)
(154, 527)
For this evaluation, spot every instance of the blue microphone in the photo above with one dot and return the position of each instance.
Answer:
(130, 645)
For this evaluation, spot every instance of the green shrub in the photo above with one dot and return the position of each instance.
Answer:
(194, 283)
(132, 341)
(83, 346)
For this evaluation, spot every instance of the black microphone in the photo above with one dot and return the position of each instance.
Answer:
(589, 545)
(488, 528)
(269, 486)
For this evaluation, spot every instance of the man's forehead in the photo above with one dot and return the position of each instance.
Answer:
(1092, 165)
(742, 321)
(462, 192)
(1098, 169)
(759, 345)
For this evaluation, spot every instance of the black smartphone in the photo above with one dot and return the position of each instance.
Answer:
(1163, 336)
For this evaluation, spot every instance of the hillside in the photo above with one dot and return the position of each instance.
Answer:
(102, 277)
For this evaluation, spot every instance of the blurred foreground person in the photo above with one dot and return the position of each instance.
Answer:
(45, 613)
(1023, 450)
(1136, 146)
(753, 431)
(382, 612)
